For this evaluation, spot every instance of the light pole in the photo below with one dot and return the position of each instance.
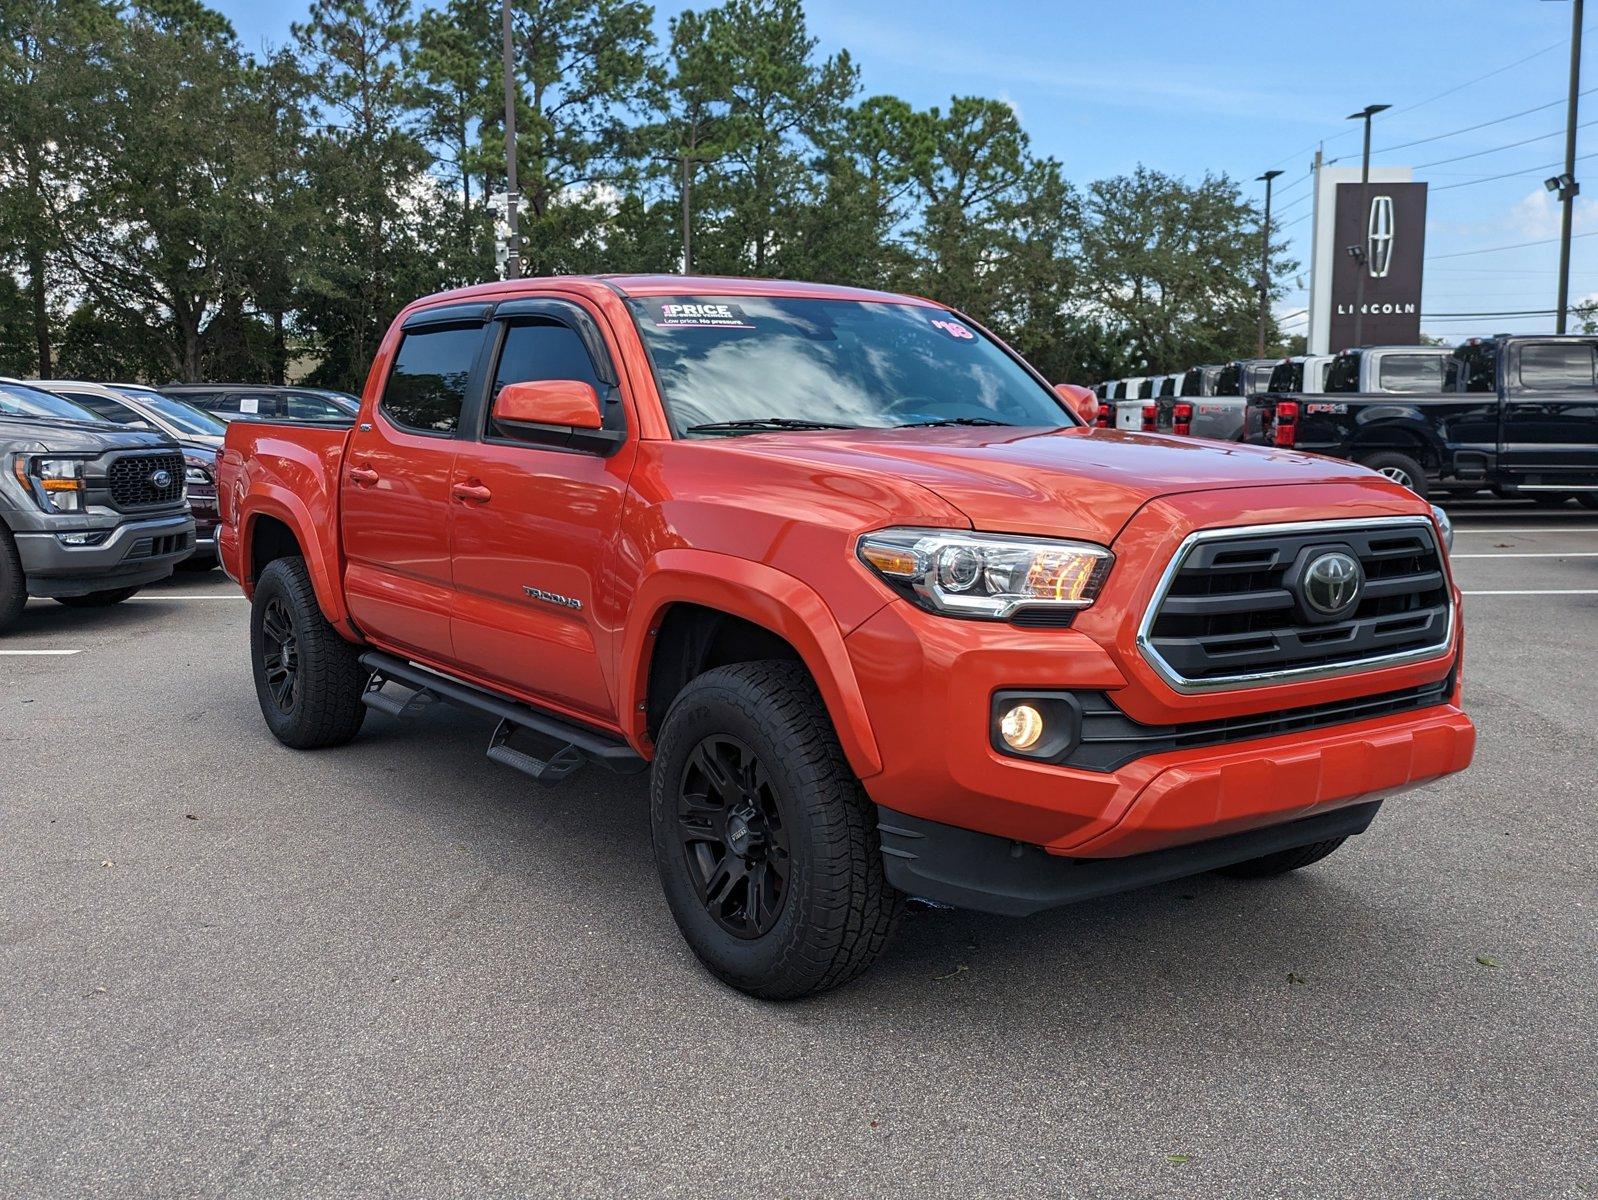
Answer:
(1565, 185)
(513, 249)
(1365, 114)
(1265, 259)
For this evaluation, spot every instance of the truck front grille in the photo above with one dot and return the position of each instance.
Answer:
(1233, 609)
(143, 480)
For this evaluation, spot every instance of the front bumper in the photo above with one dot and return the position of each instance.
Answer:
(991, 874)
(930, 684)
(133, 554)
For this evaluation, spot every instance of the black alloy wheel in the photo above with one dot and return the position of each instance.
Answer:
(280, 654)
(733, 836)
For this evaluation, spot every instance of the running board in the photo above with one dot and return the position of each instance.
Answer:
(575, 744)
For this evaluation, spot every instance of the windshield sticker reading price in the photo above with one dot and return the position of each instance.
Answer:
(702, 316)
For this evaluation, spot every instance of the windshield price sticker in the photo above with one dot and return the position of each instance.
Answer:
(953, 329)
(249, 405)
(702, 316)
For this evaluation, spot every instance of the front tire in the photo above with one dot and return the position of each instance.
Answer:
(308, 679)
(765, 842)
(1283, 861)
(13, 583)
(103, 599)
(1400, 468)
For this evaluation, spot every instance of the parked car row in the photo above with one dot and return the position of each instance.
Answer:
(110, 487)
(1515, 413)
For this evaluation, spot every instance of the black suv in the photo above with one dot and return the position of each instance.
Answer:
(231, 401)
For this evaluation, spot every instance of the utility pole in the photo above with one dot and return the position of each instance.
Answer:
(513, 257)
(687, 210)
(1365, 114)
(1568, 187)
(1265, 260)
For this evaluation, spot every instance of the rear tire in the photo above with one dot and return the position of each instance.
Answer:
(308, 679)
(13, 583)
(103, 599)
(765, 841)
(1282, 861)
(1400, 468)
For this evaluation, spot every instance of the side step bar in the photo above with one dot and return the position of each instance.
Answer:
(573, 745)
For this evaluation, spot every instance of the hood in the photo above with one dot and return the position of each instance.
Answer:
(200, 444)
(76, 437)
(1071, 482)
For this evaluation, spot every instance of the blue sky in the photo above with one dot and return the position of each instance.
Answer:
(1240, 86)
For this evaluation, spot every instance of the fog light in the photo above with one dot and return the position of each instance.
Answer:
(93, 538)
(1021, 727)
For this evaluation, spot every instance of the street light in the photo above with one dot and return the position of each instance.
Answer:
(1365, 114)
(1265, 257)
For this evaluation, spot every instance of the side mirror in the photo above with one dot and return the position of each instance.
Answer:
(1080, 400)
(565, 403)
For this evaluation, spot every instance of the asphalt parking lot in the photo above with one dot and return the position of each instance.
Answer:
(397, 969)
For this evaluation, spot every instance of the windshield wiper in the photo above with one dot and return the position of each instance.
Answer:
(755, 424)
(952, 421)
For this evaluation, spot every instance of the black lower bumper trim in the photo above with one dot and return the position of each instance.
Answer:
(993, 874)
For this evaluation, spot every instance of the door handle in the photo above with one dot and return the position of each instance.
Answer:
(471, 493)
(364, 476)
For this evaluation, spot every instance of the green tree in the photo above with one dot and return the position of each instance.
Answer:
(48, 50)
(452, 72)
(1175, 268)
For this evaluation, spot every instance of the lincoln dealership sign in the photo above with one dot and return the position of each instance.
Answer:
(1370, 244)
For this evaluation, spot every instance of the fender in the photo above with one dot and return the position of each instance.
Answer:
(1403, 423)
(766, 597)
(273, 500)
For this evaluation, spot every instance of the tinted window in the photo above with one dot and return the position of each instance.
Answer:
(111, 410)
(1259, 378)
(1343, 374)
(1480, 365)
(19, 401)
(1228, 381)
(1409, 373)
(1287, 377)
(428, 383)
(306, 406)
(183, 417)
(543, 351)
(1552, 366)
(846, 362)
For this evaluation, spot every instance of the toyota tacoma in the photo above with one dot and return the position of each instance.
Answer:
(880, 615)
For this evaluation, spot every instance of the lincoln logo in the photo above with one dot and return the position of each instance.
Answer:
(1331, 582)
(1379, 237)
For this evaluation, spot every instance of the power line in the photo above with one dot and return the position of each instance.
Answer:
(1448, 187)
(1459, 87)
(1437, 137)
(1511, 246)
(1541, 137)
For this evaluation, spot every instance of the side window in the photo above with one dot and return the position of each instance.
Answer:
(1556, 366)
(303, 406)
(103, 406)
(542, 350)
(427, 386)
(1411, 374)
(1343, 375)
(1481, 370)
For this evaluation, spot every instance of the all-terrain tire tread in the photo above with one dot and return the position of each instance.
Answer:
(331, 677)
(13, 584)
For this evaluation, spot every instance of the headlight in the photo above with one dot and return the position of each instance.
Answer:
(987, 575)
(1445, 525)
(196, 476)
(56, 484)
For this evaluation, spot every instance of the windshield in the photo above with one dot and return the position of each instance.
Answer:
(731, 360)
(16, 401)
(181, 416)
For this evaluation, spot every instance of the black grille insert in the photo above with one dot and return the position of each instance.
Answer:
(137, 480)
(1234, 606)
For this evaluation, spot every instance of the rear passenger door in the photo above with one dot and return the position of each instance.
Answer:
(1549, 413)
(395, 488)
(538, 519)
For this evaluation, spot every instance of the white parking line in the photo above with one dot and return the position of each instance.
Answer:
(1530, 529)
(1534, 554)
(155, 599)
(1547, 592)
(37, 653)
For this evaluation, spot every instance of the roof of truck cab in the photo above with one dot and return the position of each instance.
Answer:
(683, 285)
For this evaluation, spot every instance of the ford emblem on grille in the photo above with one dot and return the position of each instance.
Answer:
(161, 480)
(1332, 582)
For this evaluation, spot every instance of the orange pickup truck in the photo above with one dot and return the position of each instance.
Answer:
(882, 616)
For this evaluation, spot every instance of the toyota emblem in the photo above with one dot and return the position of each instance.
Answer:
(1332, 582)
